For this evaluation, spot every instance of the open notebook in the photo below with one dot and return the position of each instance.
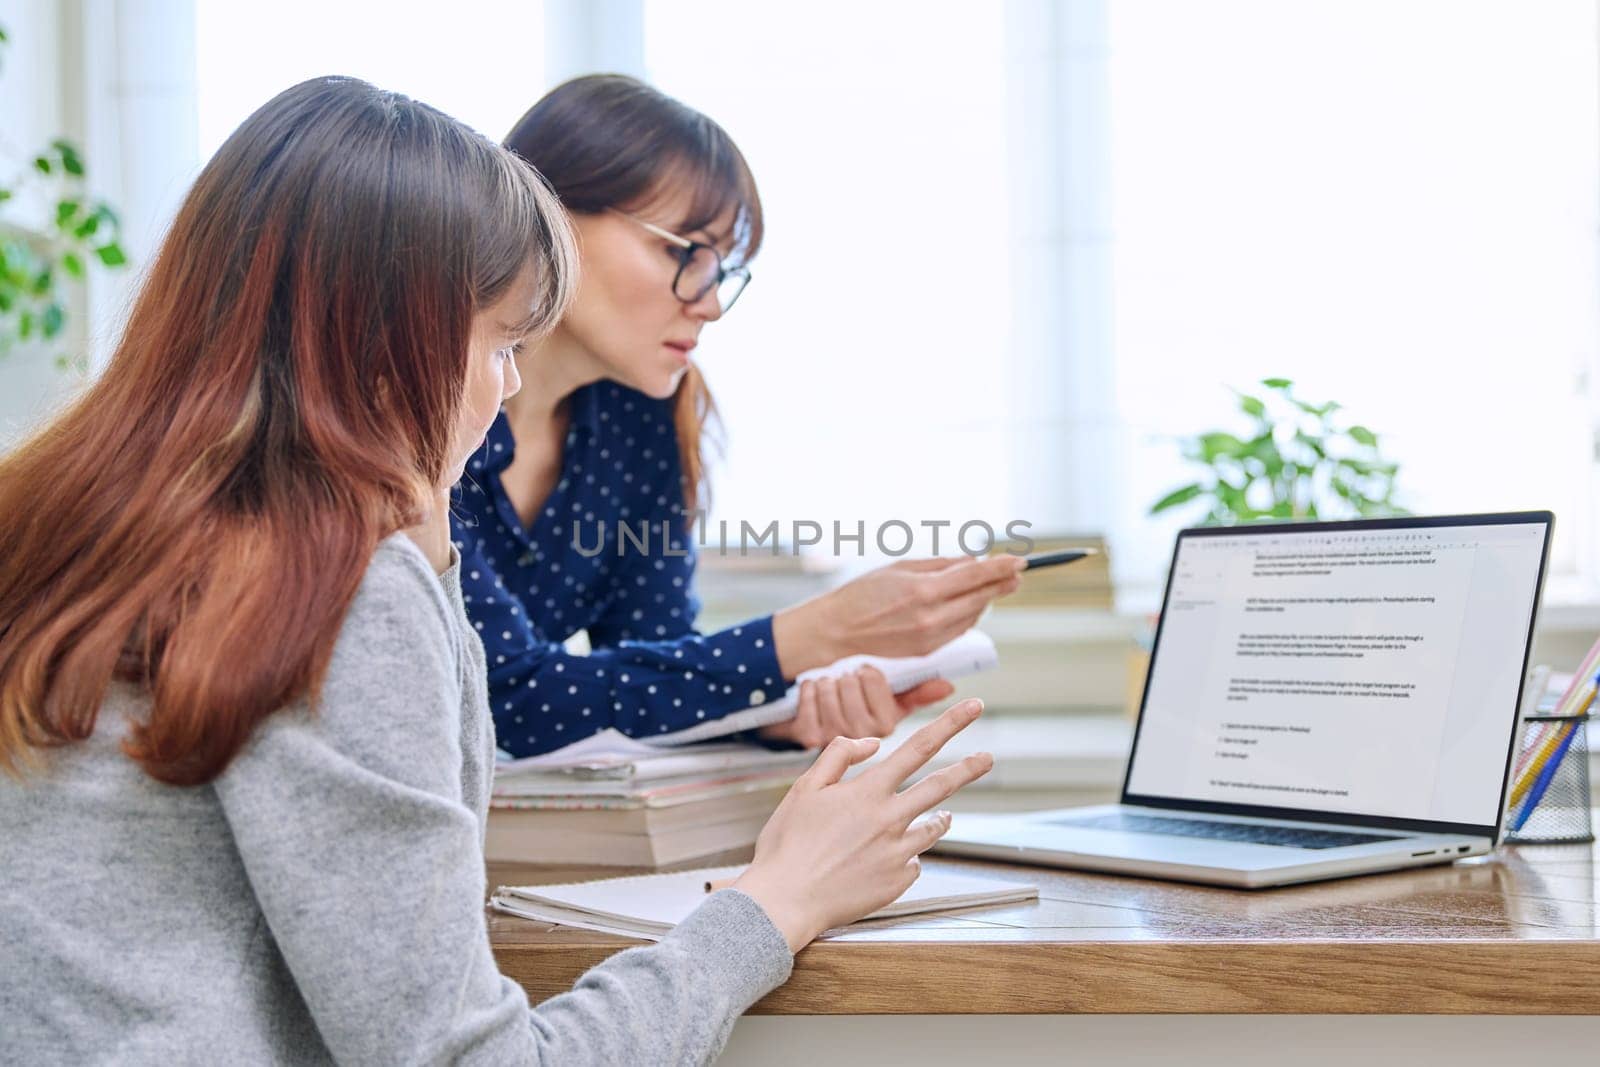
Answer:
(650, 905)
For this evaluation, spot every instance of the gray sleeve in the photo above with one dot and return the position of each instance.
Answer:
(368, 869)
(674, 1002)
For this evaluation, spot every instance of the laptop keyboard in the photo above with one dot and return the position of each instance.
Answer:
(1251, 833)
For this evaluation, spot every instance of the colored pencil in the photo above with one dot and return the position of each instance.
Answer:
(1546, 776)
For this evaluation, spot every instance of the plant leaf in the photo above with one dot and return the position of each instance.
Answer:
(1312, 443)
(71, 162)
(1363, 436)
(1319, 410)
(1360, 466)
(1265, 448)
(1252, 406)
(1279, 384)
(72, 263)
(1177, 497)
(1217, 444)
(52, 320)
(1232, 498)
(111, 255)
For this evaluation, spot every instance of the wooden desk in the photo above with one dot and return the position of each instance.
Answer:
(1518, 933)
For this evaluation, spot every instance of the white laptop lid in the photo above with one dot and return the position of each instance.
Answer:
(1364, 672)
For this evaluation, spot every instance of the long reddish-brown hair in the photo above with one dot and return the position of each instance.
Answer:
(610, 141)
(285, 395)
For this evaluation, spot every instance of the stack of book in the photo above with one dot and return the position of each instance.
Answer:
(614, 800)
(646, 810)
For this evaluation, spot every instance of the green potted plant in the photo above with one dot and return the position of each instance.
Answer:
(42, 259)
(1297, 460)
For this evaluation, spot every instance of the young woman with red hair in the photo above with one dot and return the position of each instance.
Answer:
(243, 716)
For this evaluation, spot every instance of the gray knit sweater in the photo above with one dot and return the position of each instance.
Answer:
(323, 899)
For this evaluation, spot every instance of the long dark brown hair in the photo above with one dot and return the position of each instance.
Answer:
(285, 396)
(610, 141)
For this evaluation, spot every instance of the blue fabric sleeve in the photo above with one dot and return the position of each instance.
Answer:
(543, 697)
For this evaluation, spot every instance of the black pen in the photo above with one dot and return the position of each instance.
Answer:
(1052, 559)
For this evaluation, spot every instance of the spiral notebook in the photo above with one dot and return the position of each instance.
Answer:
(649, 906)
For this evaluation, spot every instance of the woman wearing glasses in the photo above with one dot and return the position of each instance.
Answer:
(577, 513)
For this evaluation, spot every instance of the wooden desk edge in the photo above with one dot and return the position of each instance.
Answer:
(1488, 977)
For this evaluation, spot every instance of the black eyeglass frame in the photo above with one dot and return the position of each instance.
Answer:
(686, 253)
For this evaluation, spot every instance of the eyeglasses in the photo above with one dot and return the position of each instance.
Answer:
(700, 268)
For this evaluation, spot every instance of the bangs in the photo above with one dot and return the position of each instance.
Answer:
(606, 141)
(524, 228)
(720, 185)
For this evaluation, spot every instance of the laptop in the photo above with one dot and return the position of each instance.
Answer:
(1323, 699)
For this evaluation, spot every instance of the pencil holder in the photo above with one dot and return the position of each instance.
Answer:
(1549, 799)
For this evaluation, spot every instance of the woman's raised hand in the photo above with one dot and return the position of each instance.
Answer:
(837, 850)
(907, 608)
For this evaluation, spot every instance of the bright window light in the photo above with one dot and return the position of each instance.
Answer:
(1392, 203)
(485, 70)
(862, 375)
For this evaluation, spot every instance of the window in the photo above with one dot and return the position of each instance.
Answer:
(486, 69)
(863, 375)
(1394, 204)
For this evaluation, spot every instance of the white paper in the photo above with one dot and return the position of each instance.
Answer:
(608, 744)
(970, 653)
(638, 772)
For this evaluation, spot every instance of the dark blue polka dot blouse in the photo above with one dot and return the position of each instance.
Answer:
(608, 552)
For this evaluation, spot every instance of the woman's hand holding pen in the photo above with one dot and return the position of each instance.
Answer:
(907, 608)
(859, 704)
(836, 850)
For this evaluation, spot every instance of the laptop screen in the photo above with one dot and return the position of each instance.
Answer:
(1368, 670)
